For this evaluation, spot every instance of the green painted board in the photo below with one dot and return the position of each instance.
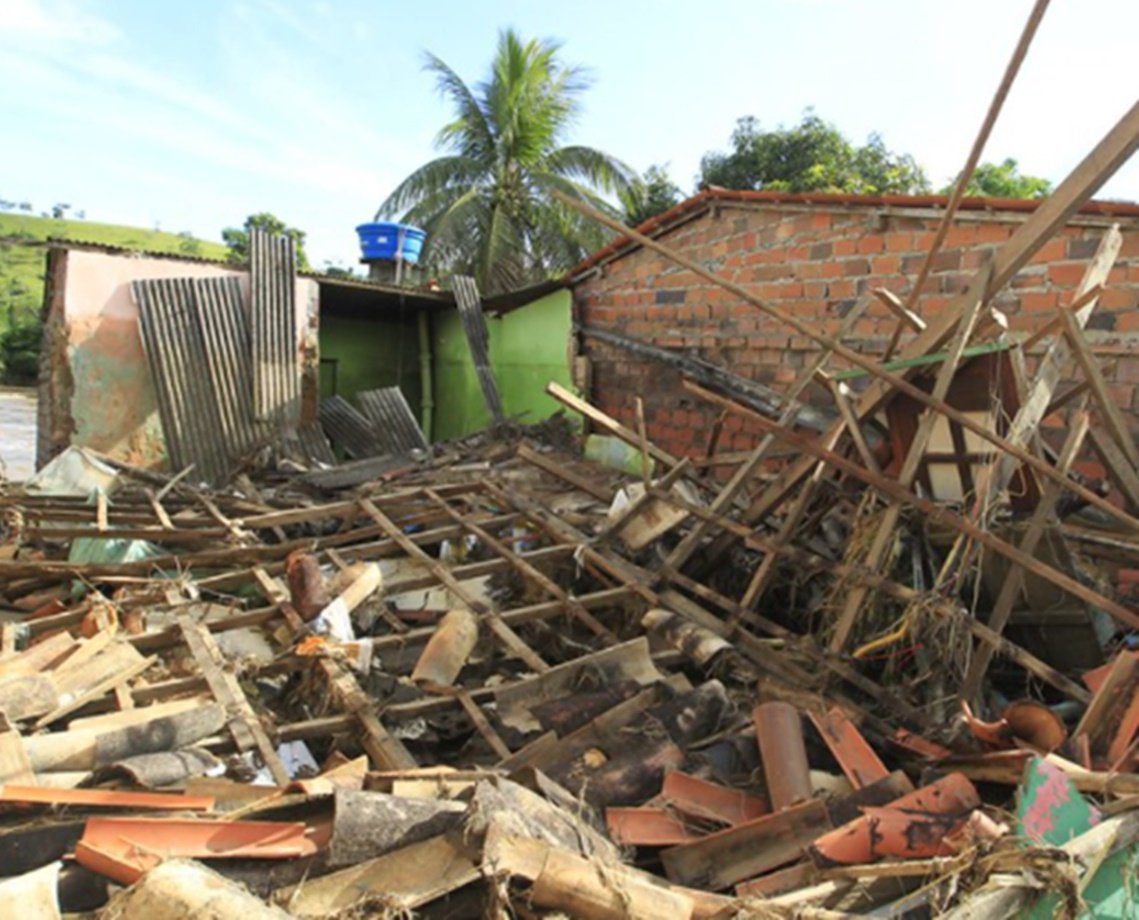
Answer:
(529, 347)
(1050, 810)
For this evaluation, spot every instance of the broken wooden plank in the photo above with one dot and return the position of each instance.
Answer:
(1030, 539)
(883, 539)
(246, 727)
(587, 485)
(1073, 192)
(935, 512)
(506, 635)
(1110, 413)
(610, 424)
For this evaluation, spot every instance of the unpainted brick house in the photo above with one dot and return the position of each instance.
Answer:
(815, 256)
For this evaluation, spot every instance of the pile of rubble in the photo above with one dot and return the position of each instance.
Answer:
(510, 680)
(883, 669)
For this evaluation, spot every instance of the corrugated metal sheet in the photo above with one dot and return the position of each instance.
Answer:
(478, 338)
(355, 473)
(276, 371)
(197, 340)
(348, 429)
(224, 324)
(393, 422)
(312, 444)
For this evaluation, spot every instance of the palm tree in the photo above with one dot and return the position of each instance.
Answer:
(486, 203)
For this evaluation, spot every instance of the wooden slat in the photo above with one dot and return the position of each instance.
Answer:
(586, 485)
(883, 539)
(509, 638)
(1042, 515)
(937, 513)
(684, 550)
(527, 571)
(1121, 473)
(1111, 414)
(247, 730)
(610, 424)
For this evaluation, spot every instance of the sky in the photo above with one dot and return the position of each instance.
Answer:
(190, 116)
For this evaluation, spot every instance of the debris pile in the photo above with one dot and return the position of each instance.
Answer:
(511, 679)
(877, 665)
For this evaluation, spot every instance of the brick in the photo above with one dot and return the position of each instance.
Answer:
(856, 267)
(1052, 251)
(845, 247)
(965, 235)
(899, 242)
(1130, 247)
(1066, 274)
(931, 306)
(947, 260)
(953, 284)
(973, 259)
(886, 265)
(871, 244)
(1119, 298)
(1039, 300)
(993, 233)
(1127, 322)
(822, 251)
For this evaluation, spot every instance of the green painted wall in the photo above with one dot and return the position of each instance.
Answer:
(528, 349)
(370, 353)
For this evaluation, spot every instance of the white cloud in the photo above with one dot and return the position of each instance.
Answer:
(23, 21)
(286, 142)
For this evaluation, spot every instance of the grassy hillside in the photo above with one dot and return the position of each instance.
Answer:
(22, 261)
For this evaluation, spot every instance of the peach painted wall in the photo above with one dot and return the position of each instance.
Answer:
(105, 391)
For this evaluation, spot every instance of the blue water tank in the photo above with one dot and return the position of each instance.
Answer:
(382, 240)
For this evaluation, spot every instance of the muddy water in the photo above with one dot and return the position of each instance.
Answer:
(17, 433)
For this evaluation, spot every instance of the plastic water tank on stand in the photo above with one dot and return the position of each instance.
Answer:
(390, 248)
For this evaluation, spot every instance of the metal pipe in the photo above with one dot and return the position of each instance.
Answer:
(427, 397)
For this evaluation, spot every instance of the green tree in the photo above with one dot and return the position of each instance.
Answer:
(1004, 180)
(237, 238)
(20, 348)
(486, 203)
(649, 195)
(812, 156)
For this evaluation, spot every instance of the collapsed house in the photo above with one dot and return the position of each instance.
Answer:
(808, 602)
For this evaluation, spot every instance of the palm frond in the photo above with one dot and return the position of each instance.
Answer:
(469, 134)
(592, 166)
(431, 178)
(487, 204)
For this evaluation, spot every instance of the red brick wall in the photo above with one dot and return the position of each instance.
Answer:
(816, 262)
